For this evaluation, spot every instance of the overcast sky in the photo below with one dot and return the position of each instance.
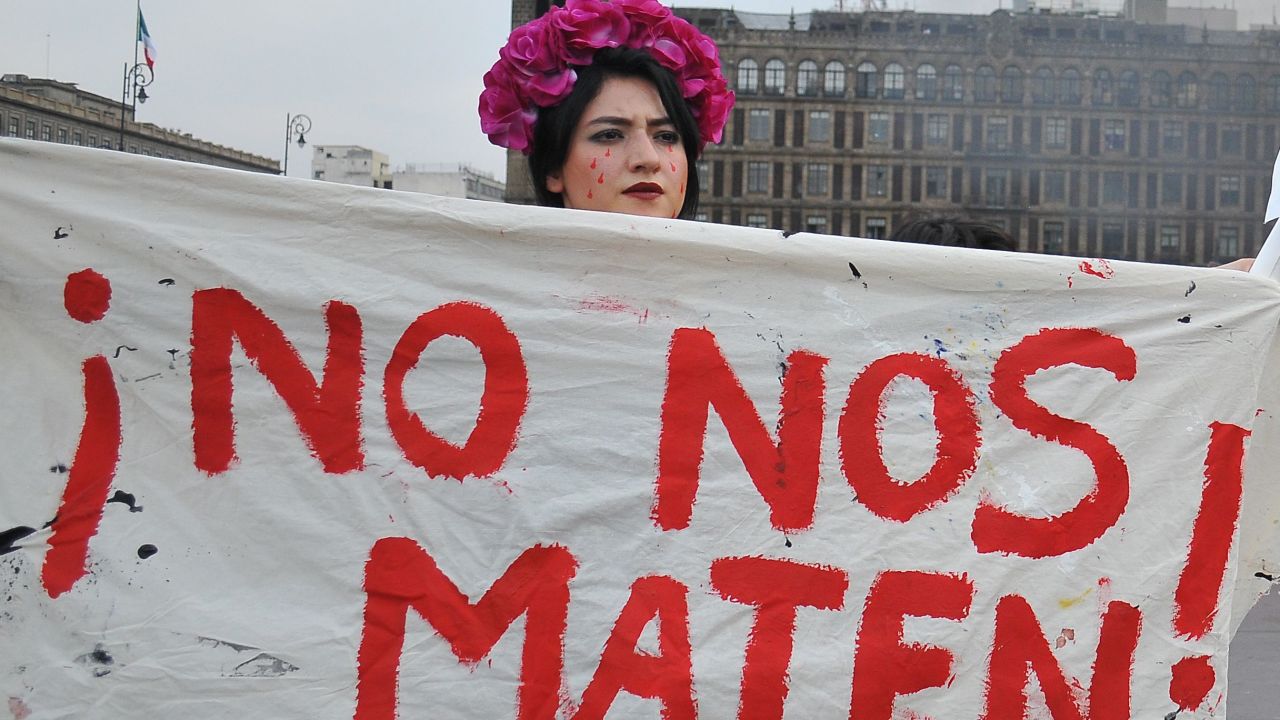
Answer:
(399, 76)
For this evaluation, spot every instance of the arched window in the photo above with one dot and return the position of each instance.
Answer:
(1011, 85)
(926, 82)
(1161, 89)
(833, 79)
(775, 77)
(1103, 87)
(1128, 91)
(1271, 94)
(748, 76)
(894, 81)
(984, 84)
(953, 83)
(807, 78)
(1219, 92)
(1042, 86)
(1069, 87)
(865, 82)
(1246, 97)
(1188, 90)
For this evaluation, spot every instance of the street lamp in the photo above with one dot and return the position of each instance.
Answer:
(296, 128)
(134, 91)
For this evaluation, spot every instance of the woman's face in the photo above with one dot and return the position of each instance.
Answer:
(625, 156)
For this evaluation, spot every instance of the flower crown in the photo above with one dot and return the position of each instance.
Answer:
(535, 67)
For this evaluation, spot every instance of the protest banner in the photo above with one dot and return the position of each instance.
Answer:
(277, 448)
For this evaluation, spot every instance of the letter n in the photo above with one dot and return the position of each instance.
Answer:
(327, 414)
(401, 575)
(785, 474)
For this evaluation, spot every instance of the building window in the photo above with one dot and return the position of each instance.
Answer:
(1055, 133)
(1055, 186)
(815, 224)
(1171, 189)
(757, 177)
(46, 132)
(984, 84)
(1011, 85)
(1230, 140)
(1113, 240)
(935, 182)
(819, 126)
(1271, 94)
(748, 76)
(1103, 90)
(877, 228)
(1219, 92)
(701, 217)
(1052, 242)
(1069, 90)
(1246, 96)
(865, 81)
(758, 122)
(1171, 139)
(1188, 90)
(775, 77)
(63, 136)
(1113, 187)
(817, 176)
(704, 175)
(953, 83)
(807, 78)
(1229, 190)
(926, 82)
(1113, 134)
(1128, 91)
(1170, 240)
(877, 180)
(1227, 243)
(755, 220)
(77, 138)
(833, 79)
(937, 127)
(997, 189)
(878, 127)
(13, 126)
(1161, 89)
(894, 81)
(1042, 86)
(997, 133)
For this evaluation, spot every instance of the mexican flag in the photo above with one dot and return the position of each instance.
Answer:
(144, 37)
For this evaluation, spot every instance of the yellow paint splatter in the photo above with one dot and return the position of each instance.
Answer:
(1068, 602)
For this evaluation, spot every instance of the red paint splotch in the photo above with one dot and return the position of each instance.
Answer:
(1192, 680)
(19, 709)
(1097, 268)
(86, 295)
(593, 163)
(605, 303)
(600, 180)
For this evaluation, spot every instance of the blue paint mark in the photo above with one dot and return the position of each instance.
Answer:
(938, 347)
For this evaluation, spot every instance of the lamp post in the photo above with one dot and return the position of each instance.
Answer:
(296, 128)
(134, 91)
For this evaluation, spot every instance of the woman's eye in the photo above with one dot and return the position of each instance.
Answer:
(668, 136)
(606, 135)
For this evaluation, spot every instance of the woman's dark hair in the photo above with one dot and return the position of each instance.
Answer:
(954, 231)
(553, 132)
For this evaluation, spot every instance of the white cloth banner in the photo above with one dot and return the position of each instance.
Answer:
(278, 449)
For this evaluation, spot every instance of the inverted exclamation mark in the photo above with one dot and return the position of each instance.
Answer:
(1195, 601)
(86, 296)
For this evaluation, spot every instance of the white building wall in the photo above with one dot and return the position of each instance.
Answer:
(350, 165)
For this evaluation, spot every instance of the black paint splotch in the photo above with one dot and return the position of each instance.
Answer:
(11, 536)
(854, 269)
(125, 498)
(61, 232)
(1190, 289)
(59, 468)
(1185, 319)
(146, 551)
(1264, 576)
(167, 281)
(124, 347)
(98, 660)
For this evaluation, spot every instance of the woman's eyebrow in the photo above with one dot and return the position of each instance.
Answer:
(626, 122)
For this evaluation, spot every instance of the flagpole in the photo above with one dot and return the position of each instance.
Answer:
(137, 29)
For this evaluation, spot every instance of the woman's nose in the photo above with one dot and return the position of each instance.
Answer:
(644, 154)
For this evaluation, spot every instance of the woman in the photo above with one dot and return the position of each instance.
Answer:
(613, 102)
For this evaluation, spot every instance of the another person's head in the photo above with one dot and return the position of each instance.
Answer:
(954, 231)
(613, 102)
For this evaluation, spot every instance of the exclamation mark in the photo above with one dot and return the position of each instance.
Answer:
(86, 297)
(1195, 601)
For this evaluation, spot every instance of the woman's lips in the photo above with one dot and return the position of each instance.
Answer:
(644, 191)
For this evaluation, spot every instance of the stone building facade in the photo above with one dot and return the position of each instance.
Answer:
(53, 111)
(1079, 133)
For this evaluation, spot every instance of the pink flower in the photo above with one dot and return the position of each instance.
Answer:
(534, 48)
(644, 15)
(589, 25)
(547, 89)
(503, 117)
